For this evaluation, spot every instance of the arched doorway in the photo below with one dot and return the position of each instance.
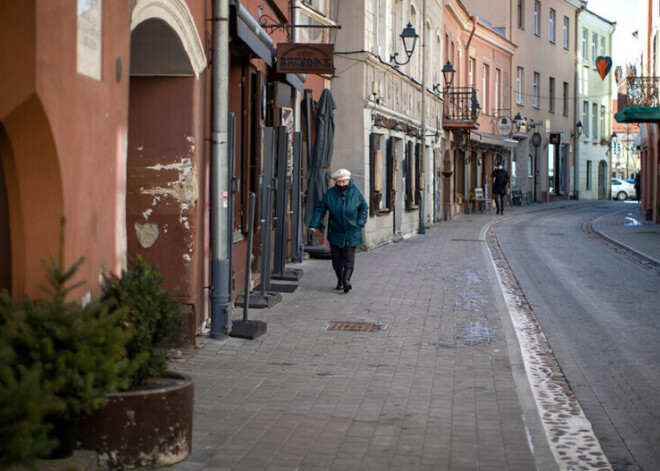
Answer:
(602, 180)
(164, 169)
(34, 203)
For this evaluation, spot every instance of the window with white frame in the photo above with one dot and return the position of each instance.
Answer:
(520, 72)
(594, 42)
(496, 96)
(551, 95)
(484, 87)
(521, 14)
(585, 119)
(537, 79)
(602, 46)
(551, 25)
(319, 5)
(603, 122)
(471, 72)
(594, 120)
(537, 18)
(566, 32)
(584, 44)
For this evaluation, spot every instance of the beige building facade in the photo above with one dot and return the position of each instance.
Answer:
(543, 87)
(594, 104)
(387, 116)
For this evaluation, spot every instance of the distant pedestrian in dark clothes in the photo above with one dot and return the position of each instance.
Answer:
(348, 214)
(500, 181)
(638, 187)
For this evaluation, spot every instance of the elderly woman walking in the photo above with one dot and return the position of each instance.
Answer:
(348, 214)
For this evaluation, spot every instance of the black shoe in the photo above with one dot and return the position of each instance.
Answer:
(340, 279)
(347, 279)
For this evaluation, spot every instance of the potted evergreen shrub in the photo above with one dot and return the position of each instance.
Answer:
(149, 424)
(59, 358)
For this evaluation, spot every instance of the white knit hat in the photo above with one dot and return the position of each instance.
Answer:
(341, 174)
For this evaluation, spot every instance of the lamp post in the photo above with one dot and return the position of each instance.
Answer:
(409, 37)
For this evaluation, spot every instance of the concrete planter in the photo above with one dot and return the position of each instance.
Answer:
(147, 428)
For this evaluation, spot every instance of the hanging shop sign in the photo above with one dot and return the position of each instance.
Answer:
(555, 138)
(299, 58)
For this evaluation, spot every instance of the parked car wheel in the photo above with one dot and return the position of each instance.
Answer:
(621, 196)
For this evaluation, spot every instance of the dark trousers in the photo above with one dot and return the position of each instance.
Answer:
(499, 201)
(342, 257)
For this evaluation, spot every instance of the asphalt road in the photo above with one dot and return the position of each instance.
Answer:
(601, 314)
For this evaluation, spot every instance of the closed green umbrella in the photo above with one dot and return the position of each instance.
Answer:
(319, 159)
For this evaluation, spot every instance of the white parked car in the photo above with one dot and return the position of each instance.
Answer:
(622, 190)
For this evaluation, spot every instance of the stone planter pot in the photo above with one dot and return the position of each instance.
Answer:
(147, 428)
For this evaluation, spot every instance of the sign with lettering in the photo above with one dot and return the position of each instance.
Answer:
(300, 58)
(555, 138)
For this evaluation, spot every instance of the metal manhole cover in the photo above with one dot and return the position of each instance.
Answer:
(355, 326)
(280, 287)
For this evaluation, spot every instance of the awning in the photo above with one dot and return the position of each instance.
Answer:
(492, 139)
(639, 114)
(250, 33)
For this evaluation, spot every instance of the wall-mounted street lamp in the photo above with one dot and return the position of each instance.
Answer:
(578, 130)
(409, 37)
(448, 73)
(519, 122)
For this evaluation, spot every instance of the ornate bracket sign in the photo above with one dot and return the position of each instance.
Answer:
(299, 58)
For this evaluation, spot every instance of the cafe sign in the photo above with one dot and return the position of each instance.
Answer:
(300, 58)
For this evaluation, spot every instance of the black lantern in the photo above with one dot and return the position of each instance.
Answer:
(409, 37)
(517, 121)
(448, 72)
(578, 130)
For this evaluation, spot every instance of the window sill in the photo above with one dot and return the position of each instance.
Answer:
(383, 212)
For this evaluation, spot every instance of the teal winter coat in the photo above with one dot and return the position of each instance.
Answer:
(348, 215)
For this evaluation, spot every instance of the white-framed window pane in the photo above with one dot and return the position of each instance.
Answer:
(519, 85)
(521, 14)
(585, 119)
(536, 89)
(602, 46)
(537, 18)
(496, 98)
(594, 119)
(566, 31)
(603, 122)
(551, 95)
(594, 41)
(584, 44)
(552, 25)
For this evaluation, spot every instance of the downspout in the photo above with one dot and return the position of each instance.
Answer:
(220, 224)
(422, 229)
(576, 106)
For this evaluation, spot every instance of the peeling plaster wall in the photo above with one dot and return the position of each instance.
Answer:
(163, 182)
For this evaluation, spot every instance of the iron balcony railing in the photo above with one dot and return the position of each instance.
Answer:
(637, 91)
(461, 105)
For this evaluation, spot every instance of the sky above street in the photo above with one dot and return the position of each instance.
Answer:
(629, 16)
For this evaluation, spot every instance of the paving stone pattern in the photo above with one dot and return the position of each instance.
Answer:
(433, 390)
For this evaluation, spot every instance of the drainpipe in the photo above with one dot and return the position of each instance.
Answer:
(220, 224)
(576, 105)
(422, 229)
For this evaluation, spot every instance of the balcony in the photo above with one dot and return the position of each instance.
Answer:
(461, 109)
(637, 100)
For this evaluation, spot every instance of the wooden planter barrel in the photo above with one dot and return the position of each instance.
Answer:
(146, 428)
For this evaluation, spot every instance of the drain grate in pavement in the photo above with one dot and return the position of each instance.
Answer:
(280, 287)
(355, 326)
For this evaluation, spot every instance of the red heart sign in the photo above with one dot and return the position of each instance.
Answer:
(603, 64)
